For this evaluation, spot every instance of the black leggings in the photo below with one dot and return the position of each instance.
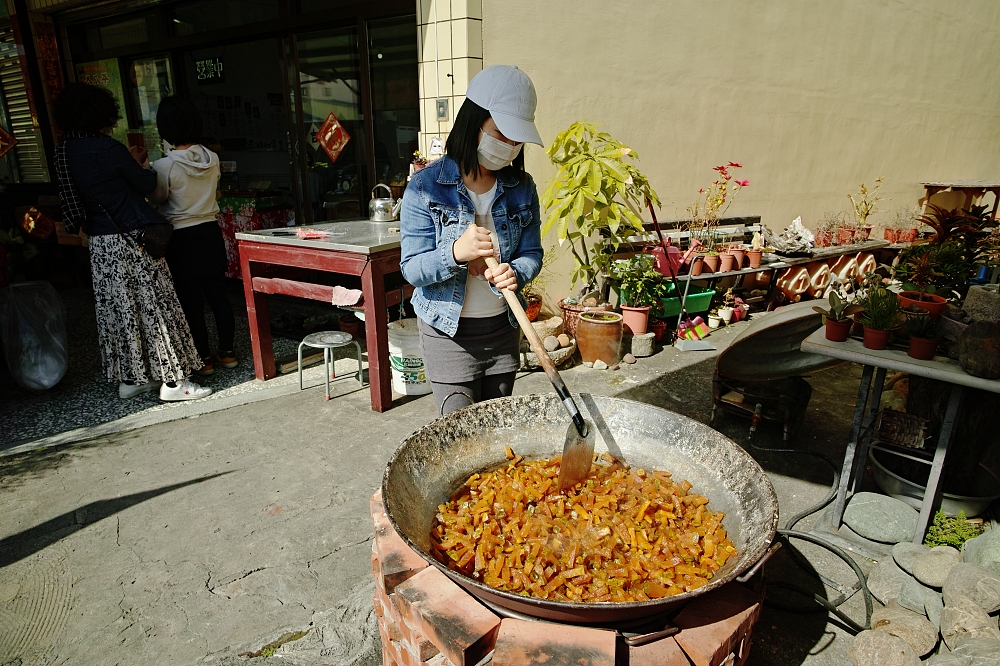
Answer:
(449, 397)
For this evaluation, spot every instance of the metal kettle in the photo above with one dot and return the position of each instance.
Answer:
(383, 210)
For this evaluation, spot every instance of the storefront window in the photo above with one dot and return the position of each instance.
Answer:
(151, 80)
(239, 90)
(392, 54)
(208, 15)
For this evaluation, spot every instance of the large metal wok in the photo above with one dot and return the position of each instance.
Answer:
(432, 463)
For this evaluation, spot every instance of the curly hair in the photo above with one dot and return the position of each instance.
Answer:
(85, 108)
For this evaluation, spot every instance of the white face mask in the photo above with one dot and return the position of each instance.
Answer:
(494, 154)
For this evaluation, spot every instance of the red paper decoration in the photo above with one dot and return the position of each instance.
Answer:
(37, 223)
(332, 137)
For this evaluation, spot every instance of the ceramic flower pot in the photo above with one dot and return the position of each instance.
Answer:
(890, 234)
(824, 238)
(726, 262)
(845, 235)
(934, 304)
(599, 336)
(753, 256)
(659, 329)
(837, 331)
(534, 306)
(907, 235)
(876, 339)
(697, 264)
(922, 348)
(726, 314)
(711, 263)
(738, 254)
(714, 321)
(635, 319)
(571, 313)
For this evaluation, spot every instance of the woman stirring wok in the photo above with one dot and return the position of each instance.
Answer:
(476, 201)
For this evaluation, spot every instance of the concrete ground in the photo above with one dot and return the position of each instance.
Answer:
(212, 538)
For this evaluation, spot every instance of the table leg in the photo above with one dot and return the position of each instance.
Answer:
(932, 493)
(852, 445)
(861, 457)
(377, 337)
(260, 326)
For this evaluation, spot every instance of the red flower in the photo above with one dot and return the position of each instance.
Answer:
(743, 183)
(720, 169)
(701, 191)
(735, 164)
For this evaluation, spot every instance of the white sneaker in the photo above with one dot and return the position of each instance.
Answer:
(126, 391)
(184, 390)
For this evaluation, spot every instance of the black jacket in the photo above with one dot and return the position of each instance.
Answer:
(110, 181)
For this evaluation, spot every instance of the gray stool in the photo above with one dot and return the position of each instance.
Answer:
(328, 340)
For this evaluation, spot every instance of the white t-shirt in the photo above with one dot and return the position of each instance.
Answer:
(480, 299)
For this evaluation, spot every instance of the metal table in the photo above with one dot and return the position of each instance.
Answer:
(877, 363)
(361, 248)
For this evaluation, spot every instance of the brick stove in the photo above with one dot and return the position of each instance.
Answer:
(427, 620)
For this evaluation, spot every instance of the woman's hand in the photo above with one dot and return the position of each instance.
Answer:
(474, 243)
(477, 267)
(139, 154)
(502, 276)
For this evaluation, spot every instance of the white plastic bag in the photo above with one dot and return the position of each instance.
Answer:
(33, 332)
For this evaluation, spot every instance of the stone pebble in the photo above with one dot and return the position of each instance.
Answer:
(914, 596)
(886, 580)
(551, 343)
(912, 628)
(906, 553)
(932, 568)
(984, 550)
(564, 340)
(963, 619)
(970, 652)
(933, 605)
(628, 358)
(980, 585)
(600, 365)
(881, 518)
(877, 648)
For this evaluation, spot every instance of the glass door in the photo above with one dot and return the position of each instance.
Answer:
(150, 79)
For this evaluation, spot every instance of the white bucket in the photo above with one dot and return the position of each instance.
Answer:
(406, 358)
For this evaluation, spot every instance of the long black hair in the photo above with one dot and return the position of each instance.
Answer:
(85, 108)
(463, 142)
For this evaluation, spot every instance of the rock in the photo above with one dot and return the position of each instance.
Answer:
(563, 340)
(906, 553)
(912, 628)
(877, 648)
(600, 365)
(982, 303)
(894, 400)
(551, 343)
(628, 358)
(886, 580)
(980, 585)
(588, 364)
(548, 326)
(933, 605)
(881, 518)
(978, 652)
(964, 619)
(590, 302)
(979, 349)
(914, 596)
(643, 345)
(984, 550)
(615, 367)
(932, 568)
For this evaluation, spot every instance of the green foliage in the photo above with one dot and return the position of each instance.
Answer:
(920, 325)
(881, 306)
(952, 532)
(596, 189)
(839, 308)
(947, 267)
(640, 282)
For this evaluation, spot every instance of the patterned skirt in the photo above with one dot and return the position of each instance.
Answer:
(141, 328)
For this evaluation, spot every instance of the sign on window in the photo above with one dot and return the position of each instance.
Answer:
(209, 71)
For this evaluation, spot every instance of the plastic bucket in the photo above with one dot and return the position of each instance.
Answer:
(406, 358)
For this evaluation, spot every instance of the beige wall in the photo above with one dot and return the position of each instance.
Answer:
(812, 97)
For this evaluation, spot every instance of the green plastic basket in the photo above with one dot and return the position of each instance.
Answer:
(699, 299)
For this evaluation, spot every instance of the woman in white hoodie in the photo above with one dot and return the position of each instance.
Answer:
(187, 181)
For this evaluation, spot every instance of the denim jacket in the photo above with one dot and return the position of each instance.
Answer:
(436, 211)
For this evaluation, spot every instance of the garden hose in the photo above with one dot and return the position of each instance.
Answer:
(789, 532)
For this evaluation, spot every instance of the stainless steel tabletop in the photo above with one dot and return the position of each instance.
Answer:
(361, 236)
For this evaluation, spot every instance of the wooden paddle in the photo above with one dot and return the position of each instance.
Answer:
(578, 449)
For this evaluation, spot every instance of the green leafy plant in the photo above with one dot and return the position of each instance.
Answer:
(952, 266)
(988, 248)
(881, 306)
(595, 199)
(956, 222)
(954, 532)
(640, 282)
(920, 325)
(923, 272)
(839, 308)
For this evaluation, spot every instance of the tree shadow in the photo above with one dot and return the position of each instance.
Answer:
(18, 546)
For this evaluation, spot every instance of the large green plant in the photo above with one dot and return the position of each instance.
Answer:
(639, 280)
(595, 199)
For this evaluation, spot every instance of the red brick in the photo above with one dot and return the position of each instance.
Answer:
(439, 660)
(458, 625)
(397, 561)
(520, 642)
(377, 603)
(663, 652)
(714, 624)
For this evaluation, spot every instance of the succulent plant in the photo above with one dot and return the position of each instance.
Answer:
(839, 308)
(920, 325)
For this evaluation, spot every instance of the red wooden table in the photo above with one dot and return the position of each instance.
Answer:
(368, 250)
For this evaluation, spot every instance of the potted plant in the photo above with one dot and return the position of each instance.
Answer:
(714, 318)
(924, 335)
(738, 252)
(658, 328)
(599, 336)
(726, 261)
(989, 252)
(756, 250)
(639, 285)
(920, 291)
(711, 262)
(881, 312)
(534, 290)
(827, 228)
(865, 205)
(837, 318)
(711, 204)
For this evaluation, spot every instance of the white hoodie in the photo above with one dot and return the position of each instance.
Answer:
(186, 181)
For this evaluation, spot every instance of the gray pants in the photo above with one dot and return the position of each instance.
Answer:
(449, 397)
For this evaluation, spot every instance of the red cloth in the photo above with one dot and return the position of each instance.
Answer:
(242, 217)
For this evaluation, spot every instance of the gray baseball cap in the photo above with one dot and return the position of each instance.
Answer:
(508, 94)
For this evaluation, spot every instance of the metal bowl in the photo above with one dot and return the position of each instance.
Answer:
(913, 494)
(432, 463)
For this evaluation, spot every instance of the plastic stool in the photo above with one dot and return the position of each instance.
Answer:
(328, 340)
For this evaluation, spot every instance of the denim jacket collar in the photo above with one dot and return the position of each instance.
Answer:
(449, 174)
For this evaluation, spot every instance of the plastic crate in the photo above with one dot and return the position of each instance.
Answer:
(699, 299)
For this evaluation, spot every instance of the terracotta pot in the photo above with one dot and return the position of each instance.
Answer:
(697, 264)
(824, 238)
(711, 263)
(907, 235)
(570, 313)
(534, 306)
(837, 331)
(754, 258)
(934, 304)
(726, 261)
(636, 319)
(738, 254)
(876, 339)
(890, 234)
(659, 329)
(351, 324)
(599, 336)
(863, 234)
(922, 348)
(845, 235)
